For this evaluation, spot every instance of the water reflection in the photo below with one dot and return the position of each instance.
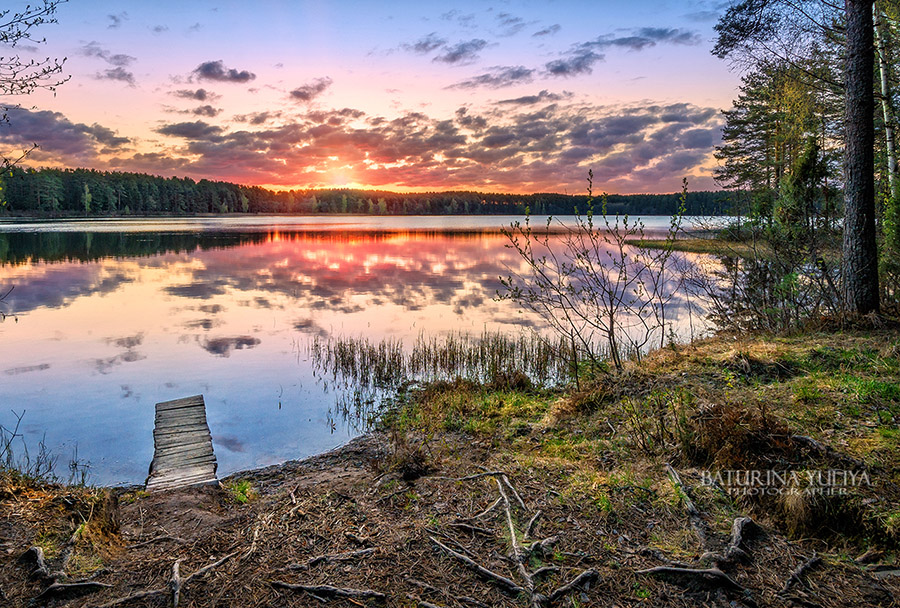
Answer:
(110, 323)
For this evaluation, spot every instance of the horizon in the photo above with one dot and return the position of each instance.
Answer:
(507, 98)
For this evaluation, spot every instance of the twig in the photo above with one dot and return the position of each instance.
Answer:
(331, 557)
(582, 580)
(502, 581)
(327, 591)
(798, 573)
(515, 494)
(70, 589)
(488, 510)
(470, 528)
(518, 553)
(175, 583)
(694, 515)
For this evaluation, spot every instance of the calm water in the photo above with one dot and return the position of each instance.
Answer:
(113, 316)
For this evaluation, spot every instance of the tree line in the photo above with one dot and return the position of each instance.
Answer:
(811, 135)
(91, 193)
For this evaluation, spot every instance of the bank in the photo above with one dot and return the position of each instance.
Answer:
(638, 489)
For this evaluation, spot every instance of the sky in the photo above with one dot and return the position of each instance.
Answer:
(496, 96)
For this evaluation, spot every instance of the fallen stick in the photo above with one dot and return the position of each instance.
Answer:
(327, 591)
(57, 590)
(488, 510)
(694, 515)
(331, 557)
(420, 603)
(470, 528)
(798, 573)
(515, 494)
(518, 553)
(583, 579)
(501, 580)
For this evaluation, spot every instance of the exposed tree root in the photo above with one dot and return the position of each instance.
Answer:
(176, 583)
(519, 555)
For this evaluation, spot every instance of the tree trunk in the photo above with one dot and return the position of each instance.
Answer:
(886, 109)
(860, 251)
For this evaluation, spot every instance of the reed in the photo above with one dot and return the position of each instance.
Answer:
(359, 362)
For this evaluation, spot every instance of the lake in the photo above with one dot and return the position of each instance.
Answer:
(109, 317)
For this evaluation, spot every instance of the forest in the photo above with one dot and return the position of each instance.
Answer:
(92, 193)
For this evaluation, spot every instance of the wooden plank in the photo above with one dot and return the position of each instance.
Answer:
(191, 430)
(196, 400)
(183, 449)
(172, 476)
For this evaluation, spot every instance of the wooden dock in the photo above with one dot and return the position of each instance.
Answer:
(183, 452)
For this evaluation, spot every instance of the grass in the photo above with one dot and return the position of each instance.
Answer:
(720, 404)
(239, 491)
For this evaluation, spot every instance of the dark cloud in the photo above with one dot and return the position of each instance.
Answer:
(127, 342)
(311, 90)
(117, 20)
(232, 444)
(547, 31)
(257, 118)
(191, 130)
(216, 70)
(93, 49)
(475, 123)
(222, 347)
(543, 96)
(429, 43)
(651, 36)
(462, 53)
(464, 19)
(510, 25)
(119, 74)
(57, 135)
(308, 326)
(579, 62)
(104, 366)
(497, 78)
(198, 94)
(15, 371)
(159, 29)
(206, 110)
(580, 59)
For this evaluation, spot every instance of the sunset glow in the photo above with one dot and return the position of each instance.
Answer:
(408, 96)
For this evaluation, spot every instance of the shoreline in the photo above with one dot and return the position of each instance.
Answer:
(604, 488)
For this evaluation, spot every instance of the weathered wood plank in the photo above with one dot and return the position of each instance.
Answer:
(183, 449)
(196, 400)
(177, 450)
